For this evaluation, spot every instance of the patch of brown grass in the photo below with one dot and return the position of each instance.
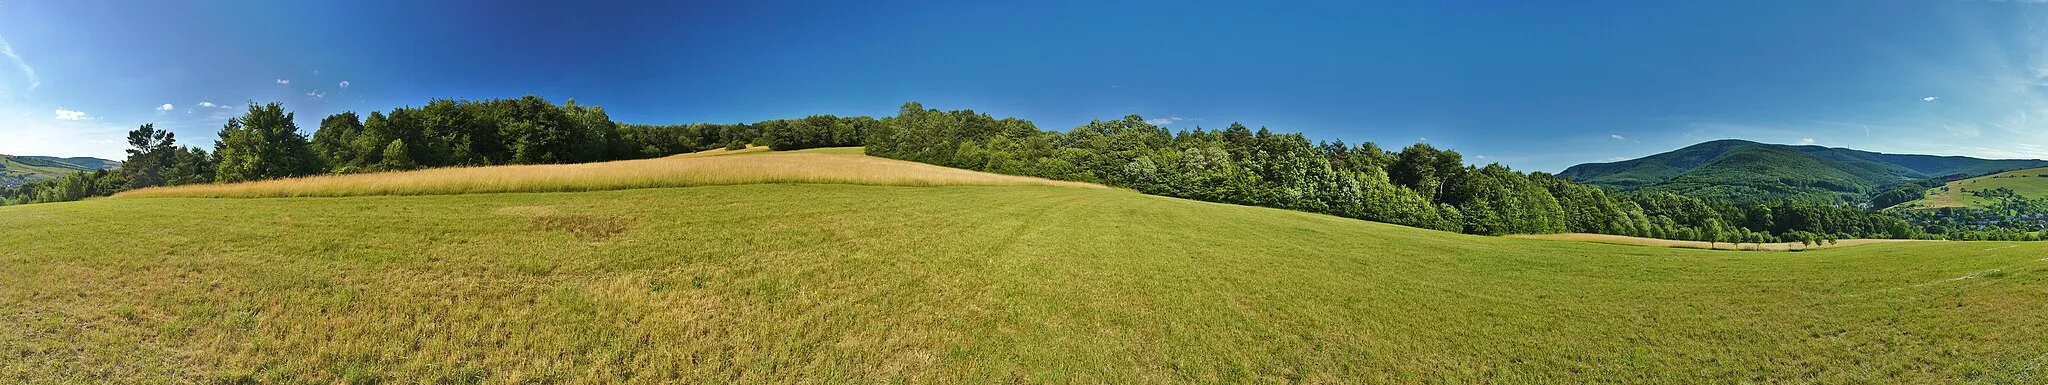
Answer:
(594, 228)
(702, 170)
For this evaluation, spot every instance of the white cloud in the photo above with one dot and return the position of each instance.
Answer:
(284, 81)
(1422, 139)
(344, 84)
(1616, 136)
(165, 107)
(316, 94)
(208, 104)
(26, 71)
(64, 114)
(28, 132)
(1159, 122)
(1928, 99)
(1805, 141)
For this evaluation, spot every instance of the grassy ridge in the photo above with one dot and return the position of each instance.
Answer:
(2031, 183)
(701, 169)
(16, 170)
(960, 284)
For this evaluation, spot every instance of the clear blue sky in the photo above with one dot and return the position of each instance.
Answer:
(1535, 86)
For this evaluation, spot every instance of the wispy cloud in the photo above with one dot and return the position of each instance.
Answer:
(316, 94)
(284, 81)
(1805, 141)
(1167, 120)
(64, 114)
(1616, 136)
(208, 105)
(7, 49)
(1965, 130)
(165, 107)
(344, 84)
(1929, 99)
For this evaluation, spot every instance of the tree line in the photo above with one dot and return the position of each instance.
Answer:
(266, 142)
(1418, 185)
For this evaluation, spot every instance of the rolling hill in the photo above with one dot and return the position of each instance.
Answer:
(1743, 170)
(2030, 183)
(954, 282)
(16, 170)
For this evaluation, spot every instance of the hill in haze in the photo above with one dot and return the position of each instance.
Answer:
(16, 170)
(1743, 170)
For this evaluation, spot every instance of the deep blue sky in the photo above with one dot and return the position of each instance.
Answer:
(1535, 85)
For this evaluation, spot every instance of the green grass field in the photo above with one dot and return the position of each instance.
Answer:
(2031, 183)
(837, 283)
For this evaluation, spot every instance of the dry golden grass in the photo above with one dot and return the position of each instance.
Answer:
(751, 149)
(1639, 241)
(681, 171)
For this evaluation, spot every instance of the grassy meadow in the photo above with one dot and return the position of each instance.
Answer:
(715, 167)
(2031, 182)
(934, 283)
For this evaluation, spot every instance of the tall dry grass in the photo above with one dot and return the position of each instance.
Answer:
(618, 175)
(751, 149)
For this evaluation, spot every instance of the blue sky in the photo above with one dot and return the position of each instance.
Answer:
(1535, 86)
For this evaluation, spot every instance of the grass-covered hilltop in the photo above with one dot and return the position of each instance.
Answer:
(1023, 192)
(1984, 192)
(969, 278)
(517, 241)
(18, 170)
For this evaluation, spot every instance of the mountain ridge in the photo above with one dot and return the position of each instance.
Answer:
(1744, 170)
(16, 170)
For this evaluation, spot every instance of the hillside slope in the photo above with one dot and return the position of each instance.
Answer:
(715, 167)
(16, 170)
(2030, 183)
(838, 283)
(1744, 170)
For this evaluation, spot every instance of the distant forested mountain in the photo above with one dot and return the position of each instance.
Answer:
(16, 170)
(89, 163)
(1742, 170)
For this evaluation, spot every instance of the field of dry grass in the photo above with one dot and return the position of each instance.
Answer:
(698, 169)
(1639, 241)
(751, 149)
